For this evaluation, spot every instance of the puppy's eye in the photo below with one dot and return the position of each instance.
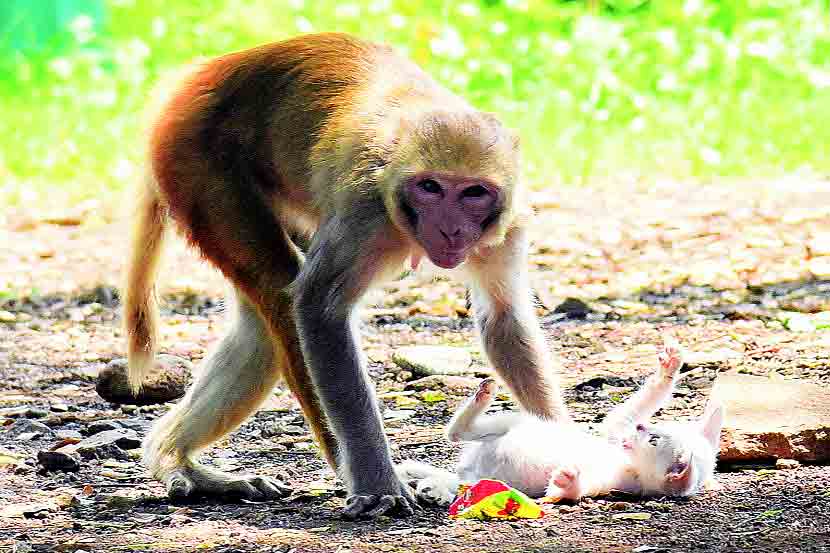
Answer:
(653, 440)
(429, 185)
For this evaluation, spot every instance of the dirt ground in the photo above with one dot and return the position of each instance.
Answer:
(717, 265)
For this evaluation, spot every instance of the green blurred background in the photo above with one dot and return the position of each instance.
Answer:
(601, 91)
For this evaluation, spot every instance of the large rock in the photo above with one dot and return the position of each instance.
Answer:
(168, 381)
(431, 360)
(768, 419)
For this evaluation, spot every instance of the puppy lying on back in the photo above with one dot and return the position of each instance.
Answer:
(560, 460)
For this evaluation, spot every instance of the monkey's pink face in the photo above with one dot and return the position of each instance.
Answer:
(449, 214)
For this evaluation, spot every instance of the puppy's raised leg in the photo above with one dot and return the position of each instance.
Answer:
(468, 426)
(653, 394)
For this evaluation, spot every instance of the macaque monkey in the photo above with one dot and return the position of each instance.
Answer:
(356, 148)
(560, 461)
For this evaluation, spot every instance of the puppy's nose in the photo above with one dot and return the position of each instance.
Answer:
(641, 428)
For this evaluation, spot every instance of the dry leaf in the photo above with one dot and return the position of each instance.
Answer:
(631, 516)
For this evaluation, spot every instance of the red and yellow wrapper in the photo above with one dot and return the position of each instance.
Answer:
(492, 499)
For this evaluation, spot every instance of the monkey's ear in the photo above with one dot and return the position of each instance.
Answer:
(493, 119)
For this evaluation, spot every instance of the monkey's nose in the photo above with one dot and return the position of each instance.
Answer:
(449, 234)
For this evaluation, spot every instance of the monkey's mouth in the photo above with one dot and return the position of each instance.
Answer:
(448, 259)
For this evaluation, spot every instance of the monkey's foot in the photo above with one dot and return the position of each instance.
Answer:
(670, 356)
(486, 389)
(197, 479)
(369, 506)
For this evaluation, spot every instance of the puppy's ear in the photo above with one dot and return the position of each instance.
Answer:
(712, 422)
(679, 475)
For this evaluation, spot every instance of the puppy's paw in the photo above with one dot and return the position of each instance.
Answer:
(670, 356)
(486, 389)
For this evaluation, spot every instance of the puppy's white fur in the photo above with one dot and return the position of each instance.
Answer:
(544, 458)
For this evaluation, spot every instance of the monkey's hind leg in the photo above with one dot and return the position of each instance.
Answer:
(233, 381)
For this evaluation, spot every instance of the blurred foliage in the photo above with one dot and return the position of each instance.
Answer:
(600, 91)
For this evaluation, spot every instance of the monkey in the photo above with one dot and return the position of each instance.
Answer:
(356, 148)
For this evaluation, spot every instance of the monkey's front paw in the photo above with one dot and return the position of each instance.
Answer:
(185, 482)
(369, 506)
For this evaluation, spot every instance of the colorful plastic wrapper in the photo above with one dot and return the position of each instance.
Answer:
(492, 499)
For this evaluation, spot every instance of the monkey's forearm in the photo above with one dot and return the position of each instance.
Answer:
(515, 345)
(348, 400)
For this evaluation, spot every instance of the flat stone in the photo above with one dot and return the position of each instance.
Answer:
(123, 438)
(97, 427)
(431, 360)
(393, 415)
(715, 358)
(787, 464)
(25, 429)
(23, 411)
(168, 381)
(768, 419)
(445, 382)
(69, 435)
(109, 444)
(283, 430)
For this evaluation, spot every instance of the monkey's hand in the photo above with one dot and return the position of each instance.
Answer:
(397, 501)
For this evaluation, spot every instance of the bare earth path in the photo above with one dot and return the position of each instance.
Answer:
(717, 264)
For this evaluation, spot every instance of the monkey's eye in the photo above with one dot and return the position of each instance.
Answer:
(474, 192)
(429, 185)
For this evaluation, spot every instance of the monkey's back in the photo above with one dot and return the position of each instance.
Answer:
(289, 109)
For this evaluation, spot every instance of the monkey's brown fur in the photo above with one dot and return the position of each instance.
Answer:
(319, 134)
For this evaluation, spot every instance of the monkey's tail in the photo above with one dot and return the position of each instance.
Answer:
(140, 308)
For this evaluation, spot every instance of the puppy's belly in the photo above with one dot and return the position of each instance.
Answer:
(524, 457)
